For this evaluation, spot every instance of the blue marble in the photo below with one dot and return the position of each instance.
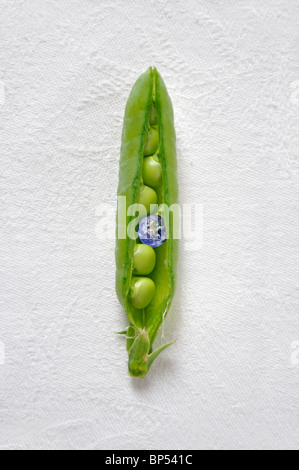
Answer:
(152, 231)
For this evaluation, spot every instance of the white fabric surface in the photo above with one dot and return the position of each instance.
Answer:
(232, 71)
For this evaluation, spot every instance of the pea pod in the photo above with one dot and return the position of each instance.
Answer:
(145, 282)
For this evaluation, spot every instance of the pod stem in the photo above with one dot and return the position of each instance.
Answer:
(140, 358)
(157, 352)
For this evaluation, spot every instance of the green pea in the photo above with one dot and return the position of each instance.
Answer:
(152, 171)
(142, 291)
(144, 259)
(152, 141)
(148, 130)
(147, 197)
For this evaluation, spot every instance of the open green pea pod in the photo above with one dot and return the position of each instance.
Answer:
(145, 277)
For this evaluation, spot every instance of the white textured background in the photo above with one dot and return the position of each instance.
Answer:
(232, 70)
